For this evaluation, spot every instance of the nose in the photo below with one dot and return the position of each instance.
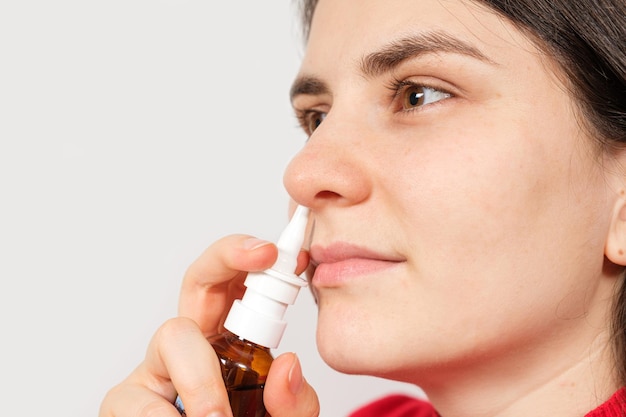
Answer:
(331, 169)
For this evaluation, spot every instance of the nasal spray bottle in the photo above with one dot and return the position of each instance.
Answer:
(255, 324)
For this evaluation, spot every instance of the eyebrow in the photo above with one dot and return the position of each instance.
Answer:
(390, 56)
(307, 85)
(393, 54)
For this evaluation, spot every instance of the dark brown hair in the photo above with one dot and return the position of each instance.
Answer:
(587, 38)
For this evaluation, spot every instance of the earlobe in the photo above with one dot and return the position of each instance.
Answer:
(615, 247)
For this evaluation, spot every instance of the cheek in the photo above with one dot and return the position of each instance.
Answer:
(498, 212)
(494, 178)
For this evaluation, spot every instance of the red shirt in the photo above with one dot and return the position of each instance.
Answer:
(405, 406)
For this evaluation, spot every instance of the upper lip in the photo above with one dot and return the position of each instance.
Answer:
(342, 251)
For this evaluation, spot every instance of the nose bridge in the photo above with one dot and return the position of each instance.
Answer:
(332, 166)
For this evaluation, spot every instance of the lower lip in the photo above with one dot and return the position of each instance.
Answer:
(336, 273)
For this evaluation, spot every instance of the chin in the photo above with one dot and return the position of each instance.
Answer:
(351, 341)
(342, 340)
(362, 359)
(345, 359)
(345, 344)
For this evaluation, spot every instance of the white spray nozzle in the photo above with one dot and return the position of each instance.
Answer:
(290, 241)
(258, 316)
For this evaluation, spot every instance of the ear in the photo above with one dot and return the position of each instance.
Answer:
(615, 247)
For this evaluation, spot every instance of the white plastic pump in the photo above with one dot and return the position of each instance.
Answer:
(258, 316)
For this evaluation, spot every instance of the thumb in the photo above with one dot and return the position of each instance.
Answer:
(287, 394)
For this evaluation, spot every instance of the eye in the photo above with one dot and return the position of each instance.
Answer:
(310, 120)
(414, 95)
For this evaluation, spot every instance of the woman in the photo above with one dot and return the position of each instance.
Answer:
(465, 173)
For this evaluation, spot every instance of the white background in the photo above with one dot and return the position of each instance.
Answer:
(133, 133)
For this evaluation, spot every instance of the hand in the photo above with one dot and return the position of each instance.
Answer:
(180, 360)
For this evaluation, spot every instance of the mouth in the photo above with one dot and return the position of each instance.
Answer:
(336, 264)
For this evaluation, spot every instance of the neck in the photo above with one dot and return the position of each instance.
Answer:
(576, 382)
(566, 370)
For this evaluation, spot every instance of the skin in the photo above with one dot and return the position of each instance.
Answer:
(469, 243)
(487, 210)
(180, 360)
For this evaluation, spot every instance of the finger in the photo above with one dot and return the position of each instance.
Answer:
(216, 278)
(132, 400)
(181, 361)
(287, 394)
(303, 262)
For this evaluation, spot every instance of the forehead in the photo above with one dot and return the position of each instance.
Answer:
(343, 31)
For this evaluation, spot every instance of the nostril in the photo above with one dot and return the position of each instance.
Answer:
(327, 195)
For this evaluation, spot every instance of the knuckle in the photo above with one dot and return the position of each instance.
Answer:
(175, 328)
(154, 409)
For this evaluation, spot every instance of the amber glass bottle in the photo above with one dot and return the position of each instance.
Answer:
(255, 324)
(245, 366)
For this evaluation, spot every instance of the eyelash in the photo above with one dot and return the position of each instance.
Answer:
(306, 119)
(400, 87)
(309, 120)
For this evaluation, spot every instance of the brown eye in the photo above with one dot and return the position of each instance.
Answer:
(415, 96)
(312, 120)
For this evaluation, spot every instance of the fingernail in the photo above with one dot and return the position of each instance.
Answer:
(295, 376)
(217, 414)
(254, 243)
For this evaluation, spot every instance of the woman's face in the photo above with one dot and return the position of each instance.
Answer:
(460, 211)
